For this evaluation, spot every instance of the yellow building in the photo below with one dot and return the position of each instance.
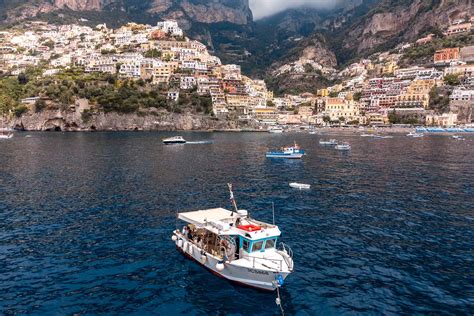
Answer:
(338, 107)
(323, 92)
(389, 68)
(163, 71)
(417, 95)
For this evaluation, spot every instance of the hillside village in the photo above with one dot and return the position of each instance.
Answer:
(139, 68)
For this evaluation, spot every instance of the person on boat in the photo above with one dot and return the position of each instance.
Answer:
(190, 234)
(185, 230)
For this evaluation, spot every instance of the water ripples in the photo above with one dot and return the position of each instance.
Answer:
(86, 222)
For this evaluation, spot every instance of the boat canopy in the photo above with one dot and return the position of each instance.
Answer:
(200, 218)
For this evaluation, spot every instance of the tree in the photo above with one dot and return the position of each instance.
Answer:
(22, 79)
(326, 119)
(40, 105)
(152, 53)
(357, 96)
(452, 79)
(270, 103)
(333, 94)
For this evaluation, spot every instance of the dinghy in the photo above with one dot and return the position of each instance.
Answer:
(300, 186)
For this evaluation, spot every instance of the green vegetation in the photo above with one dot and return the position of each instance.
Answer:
(106, 92)
(452, 80)
(422, 54)
(439, 100)
(152, 53)
(394, 118)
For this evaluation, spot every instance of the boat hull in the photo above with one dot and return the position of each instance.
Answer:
(245, 276)
(286, 156)
(173, 142)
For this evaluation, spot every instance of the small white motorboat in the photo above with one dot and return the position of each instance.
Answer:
(275, 130)
(343, 147)
(174, 140)
(331, 142)
(457, 137)
(415, 134)
(300, 186)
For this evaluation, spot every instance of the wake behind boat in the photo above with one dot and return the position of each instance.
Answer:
(291, 152)
(174, 140)
(235, 246)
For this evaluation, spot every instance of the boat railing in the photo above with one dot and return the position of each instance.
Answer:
(285, 248)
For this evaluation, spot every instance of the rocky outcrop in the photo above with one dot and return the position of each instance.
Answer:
(203, 11)
(79, 5)
(152, 119)
(235, 11)
(391, 23)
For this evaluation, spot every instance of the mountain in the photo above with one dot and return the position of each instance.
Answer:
(185, 11)
(326, 37)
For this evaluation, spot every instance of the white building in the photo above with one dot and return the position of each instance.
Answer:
(170, 27)
(187, 82)
(130, 69)
(462, 95)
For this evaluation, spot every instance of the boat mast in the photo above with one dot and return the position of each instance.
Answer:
(232, 199)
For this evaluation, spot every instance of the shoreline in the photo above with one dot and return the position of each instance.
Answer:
(318, 130)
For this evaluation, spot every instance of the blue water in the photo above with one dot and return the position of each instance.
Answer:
(86, 221)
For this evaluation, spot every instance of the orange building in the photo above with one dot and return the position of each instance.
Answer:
(446, 56)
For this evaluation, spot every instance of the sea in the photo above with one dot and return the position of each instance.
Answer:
(86, 221)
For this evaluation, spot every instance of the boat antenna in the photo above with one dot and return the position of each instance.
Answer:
(232, 199)
(273, 213)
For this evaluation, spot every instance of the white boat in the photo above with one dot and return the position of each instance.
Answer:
(457, 137)
(275, 130)
(415, 134)
(343, 146)
(300, 186)
(331, 142)
(367, 135)
(235, 246)
(383, 137)
(312, 132)
(174, 140)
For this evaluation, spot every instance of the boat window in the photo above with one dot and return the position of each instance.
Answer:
(270, 243)
(245, 245)
(257, 246)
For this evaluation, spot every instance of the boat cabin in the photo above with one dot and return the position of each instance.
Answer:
(232, 234)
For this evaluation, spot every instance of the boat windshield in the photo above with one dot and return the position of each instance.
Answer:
(270, 244)
(245, 245)
(257, 246)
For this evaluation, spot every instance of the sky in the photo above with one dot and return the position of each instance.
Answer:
(263, 8)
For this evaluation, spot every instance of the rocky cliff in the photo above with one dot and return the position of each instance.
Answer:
(390, 22)
(50, 120)
(187, 11)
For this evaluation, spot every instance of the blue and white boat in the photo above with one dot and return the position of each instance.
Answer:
(293, 152)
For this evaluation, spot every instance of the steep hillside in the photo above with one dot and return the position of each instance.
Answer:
(390, 22)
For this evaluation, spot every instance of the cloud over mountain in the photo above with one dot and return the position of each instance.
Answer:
(263, 8)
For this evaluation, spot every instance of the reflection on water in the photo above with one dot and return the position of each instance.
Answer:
(86, 221)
